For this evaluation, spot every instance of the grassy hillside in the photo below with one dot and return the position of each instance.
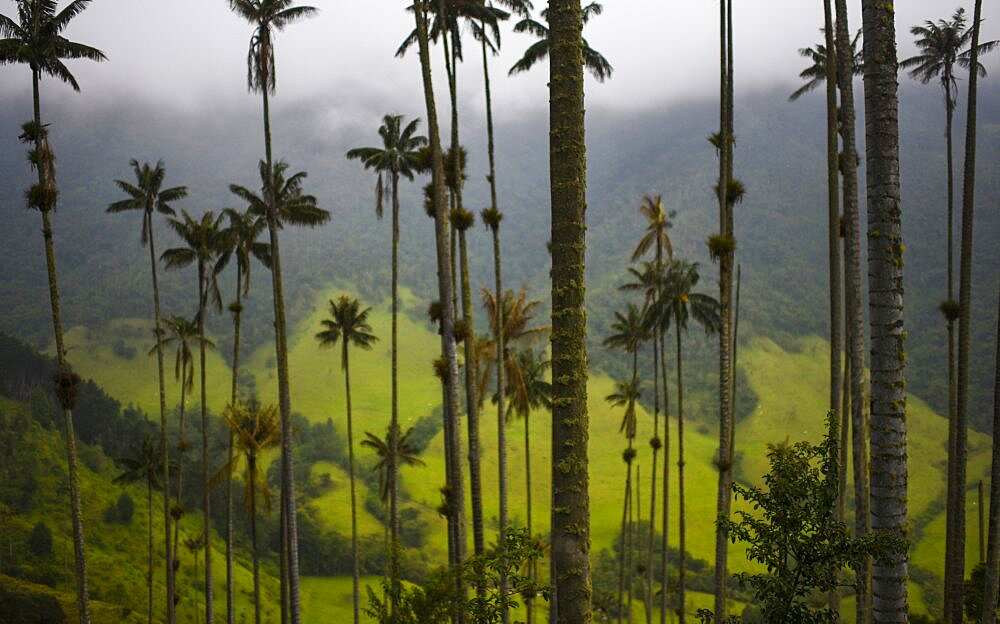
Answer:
(788, 379)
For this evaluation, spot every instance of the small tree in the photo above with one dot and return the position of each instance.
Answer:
(793, 531)
(40, 541)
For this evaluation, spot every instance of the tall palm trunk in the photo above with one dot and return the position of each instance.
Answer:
(853, 298)
(532, 565)
(665, 539)
(570, 422)
(682, 524)
(725, 255)
(46, 179)
(394, 422)
(833, 236)
(164, 444)
(206, 493)
(993, 550)
(355, 556)
(252, 475)
(234, 396)
(290, 539)
(456, 499)
(471, 401)
(885, 288)
(651, 537)
(964, 316)
(181, 451)
(149, 530)
(625, 608)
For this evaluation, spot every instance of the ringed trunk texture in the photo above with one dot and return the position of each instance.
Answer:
(885, 288)
(252, 471)
(394, 423)
(355, 556)
(682, 543)
(206, 493)
(567, 174)
(234, 395)
(665, 541)
(76, 513)
(456, 499)
(993, 549)
(472, 402)
(164, 444)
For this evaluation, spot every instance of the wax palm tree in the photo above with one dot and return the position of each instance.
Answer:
(593, 60)
(195, 545)
(676, 307)
(36, 40)
(348, 325)
(255, 429)
(885, 292)
(147, 194)
(993, 549)
(144, 464)
(239, 240)
(518, 329)
(529, 390)
(449, 355)
(656, 237)
(397, 157)
(631, 332)
(854, 320)
(942, 45)
(816, 74)
(201, 238)
(268, 16)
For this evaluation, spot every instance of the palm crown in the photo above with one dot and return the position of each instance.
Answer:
(942, 44)
(679, 302)
(268, 16)
(658, 225)
(479, 14)
(145, 194)
(626, 395)
(815, 74)
(349, 323)
(144, 464)
(593, 60)
(399, 154)
(36, 40)
(629, 330)
(406, 454)
(291, 204)
(255, 429)
(183, 333)
(204, 244)
(240, 240)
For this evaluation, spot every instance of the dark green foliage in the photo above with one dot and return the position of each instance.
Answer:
(22, 607)
(40, 541)
(19, 467)
(122, 511)
(972, 597)
(792, 530)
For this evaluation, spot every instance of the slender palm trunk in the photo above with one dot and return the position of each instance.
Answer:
(853, 297)
(665, 539)
(567, 165)
(724, 496)
(46, 178)
(149, 530)
(234, 396)
(471, 401)
(651, 537)
(206, 492)
(355, 556)
(394, 423)
(634, 521)
(181, 451)
(290, 539)
(252, 476)
(833, 238)
(164, 444)
(533, 565)
(624, 608)
(964, 316)
(681, 544)
(993, 549)
(456, 497)
(885, 287)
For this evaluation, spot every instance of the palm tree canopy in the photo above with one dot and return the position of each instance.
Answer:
(205, 244)
(399, 154)
(406, 454)
(815, 74)
(626, 395)
(144, 464)
(679, 303)
(267, 16)
(940, 46)
(291, 204)
(146, 194)
(593, 60)
(658, 225)
(528, 387)
(347, 322)
(240, 240)
(255, 429)
(36, 40)
(183, 333)
(484, 19)
(630, 330)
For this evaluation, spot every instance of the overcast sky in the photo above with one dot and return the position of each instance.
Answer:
(184, 52)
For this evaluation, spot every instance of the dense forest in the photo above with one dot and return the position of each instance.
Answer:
(438, 400)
